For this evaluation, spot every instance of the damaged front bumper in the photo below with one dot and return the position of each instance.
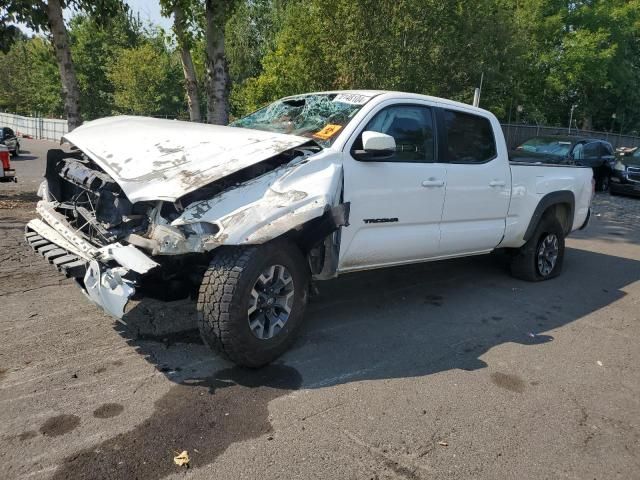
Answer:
(107, 275)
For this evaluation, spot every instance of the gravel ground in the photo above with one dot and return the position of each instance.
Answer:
(443, 370)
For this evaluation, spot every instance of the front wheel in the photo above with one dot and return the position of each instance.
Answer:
(252, 301)
(541, 258)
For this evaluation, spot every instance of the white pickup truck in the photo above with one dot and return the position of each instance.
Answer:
(241, 218)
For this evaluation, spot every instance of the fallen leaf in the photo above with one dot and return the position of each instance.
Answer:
(443, 444)
(182, 459)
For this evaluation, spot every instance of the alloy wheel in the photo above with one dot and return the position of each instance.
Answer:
(271, 302)
(548, 252)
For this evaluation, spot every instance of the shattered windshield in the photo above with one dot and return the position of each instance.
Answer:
(318, 116)
(547, 146)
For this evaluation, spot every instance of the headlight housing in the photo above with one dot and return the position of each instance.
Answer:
(200, 228)
(620, 167)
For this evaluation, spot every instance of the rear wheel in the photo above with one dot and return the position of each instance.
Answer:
(252, 301)
(602, 176)
(541, 258)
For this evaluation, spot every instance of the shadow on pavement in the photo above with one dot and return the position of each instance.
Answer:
(24, 155)
(394, 323)
(421, 319)
(23, 197)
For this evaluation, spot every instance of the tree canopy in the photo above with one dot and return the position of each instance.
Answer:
(537, 58)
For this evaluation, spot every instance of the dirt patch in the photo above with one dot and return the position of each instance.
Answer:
(60, 425)
(202, 416)
(509, 382)
(18, 200)
(24, 436)
(108, 410)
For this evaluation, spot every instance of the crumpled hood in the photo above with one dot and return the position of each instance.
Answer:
(156, 159)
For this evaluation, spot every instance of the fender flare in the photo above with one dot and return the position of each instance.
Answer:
(565, 197)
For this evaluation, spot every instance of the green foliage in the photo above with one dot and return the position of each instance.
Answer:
(541, 55)
(584, 54)
(33, 13)
(95, 47)
(30, 82)
(294, 65)
(120, 66)
(423, 46)
(147, 80)
(250, 34)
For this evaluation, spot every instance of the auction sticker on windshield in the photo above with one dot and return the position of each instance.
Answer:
(327, 132)
(352, 98)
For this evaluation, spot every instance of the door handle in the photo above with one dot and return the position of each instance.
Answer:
(433, 182)
(497, 183)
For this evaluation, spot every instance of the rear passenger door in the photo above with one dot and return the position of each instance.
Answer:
(478, 187)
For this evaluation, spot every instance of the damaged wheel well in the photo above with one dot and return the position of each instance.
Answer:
(319, 240)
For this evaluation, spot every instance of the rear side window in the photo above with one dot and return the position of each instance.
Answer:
(469, 138)
(606, 149)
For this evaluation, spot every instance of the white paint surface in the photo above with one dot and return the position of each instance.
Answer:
(155, 159)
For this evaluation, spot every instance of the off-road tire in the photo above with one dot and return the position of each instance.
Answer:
(524, 263)
(224, 297)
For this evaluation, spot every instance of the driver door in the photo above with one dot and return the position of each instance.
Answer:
(397, 202)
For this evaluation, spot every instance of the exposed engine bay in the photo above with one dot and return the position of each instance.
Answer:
(91, 200)
(95, 205)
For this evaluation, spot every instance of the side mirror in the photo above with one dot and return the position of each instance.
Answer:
(376, 146)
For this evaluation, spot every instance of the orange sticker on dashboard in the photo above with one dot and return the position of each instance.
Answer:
(327, 132)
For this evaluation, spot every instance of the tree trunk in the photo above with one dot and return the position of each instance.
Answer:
(217, 72)
(70, 89)
(190, 79)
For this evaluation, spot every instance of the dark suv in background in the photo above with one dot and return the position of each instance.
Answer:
(10, 140)
(625, 178)
(589, 152)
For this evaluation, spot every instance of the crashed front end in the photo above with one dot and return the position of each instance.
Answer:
(122, 245)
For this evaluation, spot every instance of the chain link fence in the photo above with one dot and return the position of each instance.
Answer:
(35, 127)
(517, 134)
